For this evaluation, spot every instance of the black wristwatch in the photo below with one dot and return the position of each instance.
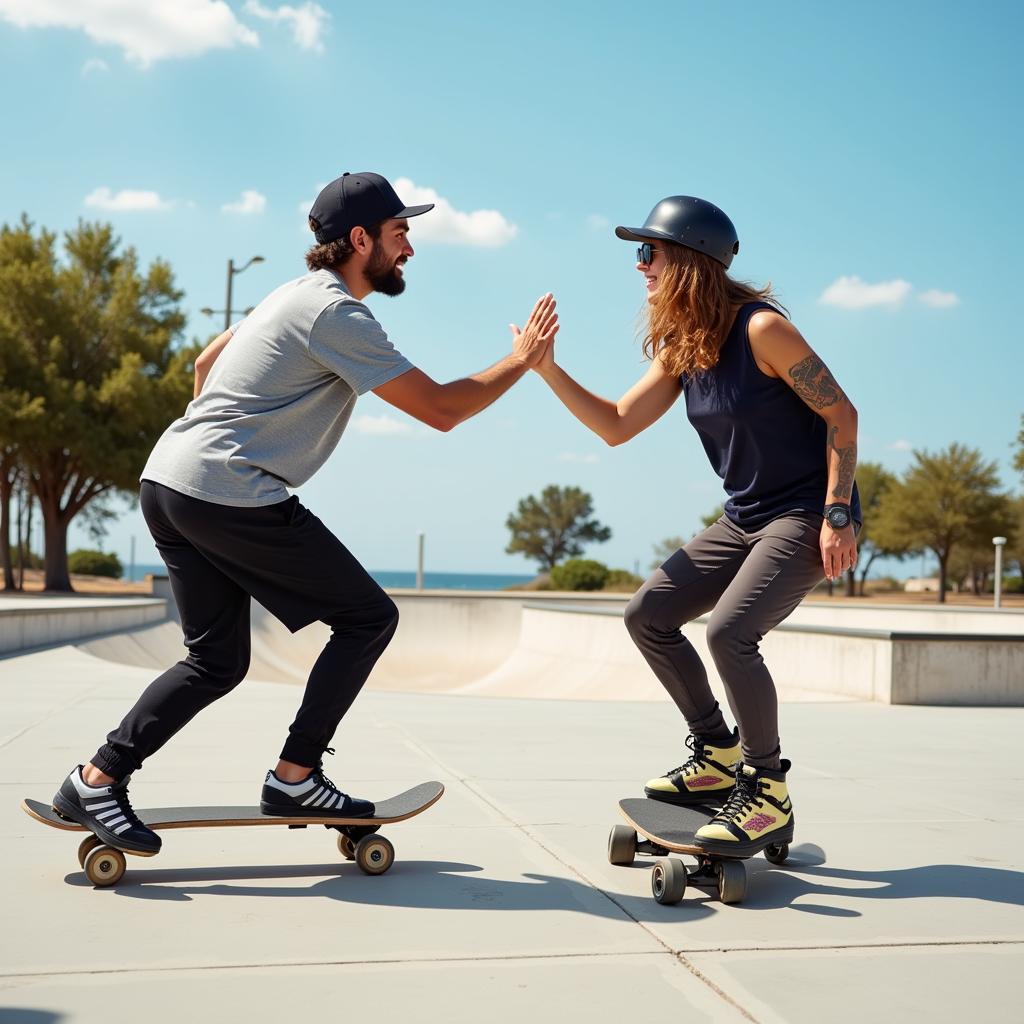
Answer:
(838, 516)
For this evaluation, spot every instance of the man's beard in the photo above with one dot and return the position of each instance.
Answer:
(383, 274)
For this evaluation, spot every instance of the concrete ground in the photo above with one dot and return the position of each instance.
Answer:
(902, 899)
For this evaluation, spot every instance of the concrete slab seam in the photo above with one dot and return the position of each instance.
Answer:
(843, 946)
(721, 993)
(291, 964)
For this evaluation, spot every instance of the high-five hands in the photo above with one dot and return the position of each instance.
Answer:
(536, 339)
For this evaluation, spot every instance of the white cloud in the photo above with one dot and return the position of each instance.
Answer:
(939, 300)
(853, 293)
(578, 459)
(307, 22)
(249, 202)
(901, 445)
(93, 64)
(597, 222)
(381, 426)
(484, 228)
(126, 200)
(145, 32)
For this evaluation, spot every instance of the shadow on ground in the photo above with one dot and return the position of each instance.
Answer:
(448, 885)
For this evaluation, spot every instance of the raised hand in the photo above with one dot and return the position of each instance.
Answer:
(535, 341)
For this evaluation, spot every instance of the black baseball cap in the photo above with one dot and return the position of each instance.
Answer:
(357, 200)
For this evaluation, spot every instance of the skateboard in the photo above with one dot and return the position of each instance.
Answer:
(669, 828)
(358, 840)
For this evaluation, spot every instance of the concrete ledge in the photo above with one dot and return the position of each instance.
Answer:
(27, 622)
(891, 665)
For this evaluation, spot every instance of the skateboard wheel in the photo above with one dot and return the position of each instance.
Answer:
(87, 844)
(621, 845)
(104, 866)
(668, 880)
(732, 880)
(374, 854)
(776, 853)
(346, 847)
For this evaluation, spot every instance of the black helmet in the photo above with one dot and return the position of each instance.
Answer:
(692, 222)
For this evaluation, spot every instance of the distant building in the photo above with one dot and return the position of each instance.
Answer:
(921, 585)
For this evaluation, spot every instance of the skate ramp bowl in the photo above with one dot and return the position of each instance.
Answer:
(446, 641)
(575, 648)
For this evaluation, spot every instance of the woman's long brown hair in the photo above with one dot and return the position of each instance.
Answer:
(692, 309)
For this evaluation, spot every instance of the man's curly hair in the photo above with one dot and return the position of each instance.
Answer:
(331, 255)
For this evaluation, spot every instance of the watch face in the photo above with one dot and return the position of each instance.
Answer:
(838, 518)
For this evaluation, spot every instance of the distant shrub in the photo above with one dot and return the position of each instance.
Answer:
(579, 574)
(1013, 584)
(622, 581)
(95, 563)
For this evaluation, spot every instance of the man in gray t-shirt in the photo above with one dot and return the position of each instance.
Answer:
(273, 396)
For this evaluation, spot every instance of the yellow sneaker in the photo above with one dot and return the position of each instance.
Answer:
(757, 814)
(707, 776)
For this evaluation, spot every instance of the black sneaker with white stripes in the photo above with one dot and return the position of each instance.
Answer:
(314, 796)
(107, 813)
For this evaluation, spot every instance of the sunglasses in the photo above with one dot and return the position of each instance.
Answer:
(644, 252)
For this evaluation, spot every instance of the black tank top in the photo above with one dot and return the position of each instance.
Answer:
(768, 447)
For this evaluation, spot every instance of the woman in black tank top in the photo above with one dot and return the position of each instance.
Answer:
(782, 436)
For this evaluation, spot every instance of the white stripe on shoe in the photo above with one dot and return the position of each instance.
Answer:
(312, 799)
(99, 806)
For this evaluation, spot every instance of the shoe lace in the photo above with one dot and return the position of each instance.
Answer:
(124, 805)
(320, 770)
(745, 797)
(692, 764)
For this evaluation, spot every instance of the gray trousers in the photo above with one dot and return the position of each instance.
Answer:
(752, 581)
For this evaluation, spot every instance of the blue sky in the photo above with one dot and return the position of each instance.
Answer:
(869, 155)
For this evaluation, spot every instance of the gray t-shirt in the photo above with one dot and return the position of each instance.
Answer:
(278, 397)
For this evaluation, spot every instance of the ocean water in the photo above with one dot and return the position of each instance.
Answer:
(431, 580)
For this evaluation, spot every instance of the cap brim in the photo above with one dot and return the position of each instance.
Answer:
(642, 234)
(412, 211)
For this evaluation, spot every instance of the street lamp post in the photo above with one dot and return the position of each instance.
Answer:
(227, 310)
(999, 542)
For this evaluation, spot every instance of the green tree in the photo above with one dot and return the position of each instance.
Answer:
(555, 526)
(944, 501)
(96, 343)
(873, 481)
(1013, 530)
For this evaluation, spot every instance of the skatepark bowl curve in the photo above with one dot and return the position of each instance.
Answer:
(901, 899)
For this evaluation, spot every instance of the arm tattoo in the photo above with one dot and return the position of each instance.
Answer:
(814, 384)
(847, 466)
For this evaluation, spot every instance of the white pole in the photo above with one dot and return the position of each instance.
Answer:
(999, 542)
(419, 561)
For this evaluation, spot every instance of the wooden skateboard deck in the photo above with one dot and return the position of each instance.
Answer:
(397, 808)
(358, 839)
